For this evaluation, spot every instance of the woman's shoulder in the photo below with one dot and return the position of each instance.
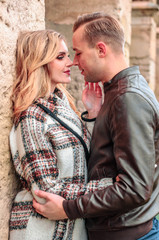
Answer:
(31, 114)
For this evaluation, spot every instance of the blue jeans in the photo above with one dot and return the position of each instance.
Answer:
(153, 234)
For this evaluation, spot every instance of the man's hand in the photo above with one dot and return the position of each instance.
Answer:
(53, 208)
(92, 98)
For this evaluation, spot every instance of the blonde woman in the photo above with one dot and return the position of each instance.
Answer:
(49, 148)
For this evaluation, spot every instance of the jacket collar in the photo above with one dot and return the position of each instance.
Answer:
(122, 74)
(56, 99)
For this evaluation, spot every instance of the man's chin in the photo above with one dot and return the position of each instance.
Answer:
(87, 79)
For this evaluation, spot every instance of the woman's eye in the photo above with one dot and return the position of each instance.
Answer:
(77, 54)
(60, 57)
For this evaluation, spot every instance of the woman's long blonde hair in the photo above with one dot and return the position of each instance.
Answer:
(35, 49)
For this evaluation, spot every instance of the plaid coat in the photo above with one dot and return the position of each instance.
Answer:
(47, 156)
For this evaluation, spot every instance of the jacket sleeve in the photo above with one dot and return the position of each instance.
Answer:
(132, 122)
(36, 161)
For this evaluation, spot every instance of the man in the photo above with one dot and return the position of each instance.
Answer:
(125, 140)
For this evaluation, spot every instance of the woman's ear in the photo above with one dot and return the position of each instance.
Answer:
(102, 49)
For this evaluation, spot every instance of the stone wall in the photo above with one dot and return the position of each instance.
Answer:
(143, 44)
(15, 15)
(157, 65)
(157, 55)
(61, 18)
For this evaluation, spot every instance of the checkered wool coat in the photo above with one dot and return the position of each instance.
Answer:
(47, 156)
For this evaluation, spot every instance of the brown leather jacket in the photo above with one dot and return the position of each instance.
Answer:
(125, 143)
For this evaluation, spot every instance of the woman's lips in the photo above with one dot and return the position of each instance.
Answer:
(67, 72)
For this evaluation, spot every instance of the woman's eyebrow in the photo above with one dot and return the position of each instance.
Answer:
(62, 53)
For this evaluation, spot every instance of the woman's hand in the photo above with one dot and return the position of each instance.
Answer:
(92, 99)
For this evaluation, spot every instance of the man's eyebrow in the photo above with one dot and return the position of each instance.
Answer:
(75, 49)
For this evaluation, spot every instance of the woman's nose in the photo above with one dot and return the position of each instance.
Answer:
(70, 63)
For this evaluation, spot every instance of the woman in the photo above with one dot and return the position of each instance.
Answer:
(46, 154)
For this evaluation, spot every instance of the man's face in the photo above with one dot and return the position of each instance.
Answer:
(86, 58)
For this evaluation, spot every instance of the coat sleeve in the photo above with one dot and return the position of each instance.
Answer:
(36, 162)
(89, 123)
(132, 123)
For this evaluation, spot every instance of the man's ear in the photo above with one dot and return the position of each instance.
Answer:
(102, 49)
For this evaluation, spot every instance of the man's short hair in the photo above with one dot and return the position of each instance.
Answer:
(100, 26)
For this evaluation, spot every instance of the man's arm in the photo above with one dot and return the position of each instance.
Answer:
(132, 126)
(133, 136)
(53, 207)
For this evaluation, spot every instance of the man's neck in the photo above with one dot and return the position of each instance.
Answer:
(116, 65)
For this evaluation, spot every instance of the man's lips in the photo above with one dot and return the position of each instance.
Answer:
(82, 71)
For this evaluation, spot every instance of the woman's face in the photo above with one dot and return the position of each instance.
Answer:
(59, 69)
